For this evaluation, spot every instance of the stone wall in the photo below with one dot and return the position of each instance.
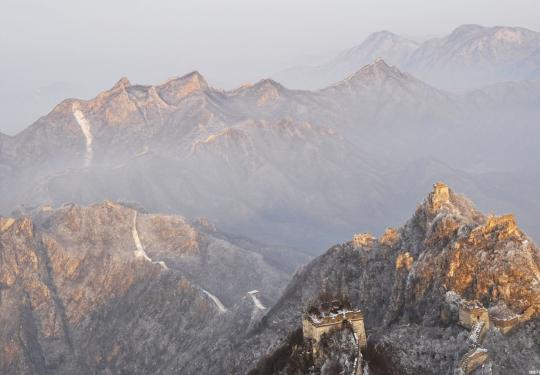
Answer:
(314, 330)
(363, 239)
(505, 325)
(474, 359)
(470, 312)
(439, 196)
(504, 225)
(360, 331)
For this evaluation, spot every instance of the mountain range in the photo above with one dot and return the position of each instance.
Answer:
(181, 228)
(409, 283)
(94, 287)
(283, 166)
(108, 288)
(471, 56)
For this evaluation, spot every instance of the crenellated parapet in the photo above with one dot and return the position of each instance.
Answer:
(361, 240)
(471, 312)
(315, 325)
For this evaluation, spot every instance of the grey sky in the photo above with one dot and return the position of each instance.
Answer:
(71, 47)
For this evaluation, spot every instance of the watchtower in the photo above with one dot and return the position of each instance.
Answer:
(314, 325)
(363, 240)
(503, 318)
(439, 196)
(472, 312)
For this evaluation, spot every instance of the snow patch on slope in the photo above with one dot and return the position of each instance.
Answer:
(216, 300)
(84, 124)
(255, 298)
(140, 252)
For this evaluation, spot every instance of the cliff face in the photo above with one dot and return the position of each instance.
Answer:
(50, 285)
(480, 258)
(402, 281)
(110, 289)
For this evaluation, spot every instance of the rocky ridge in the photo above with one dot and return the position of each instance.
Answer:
(255, 159)
(111, 289)
(401, 282)
(89, 289)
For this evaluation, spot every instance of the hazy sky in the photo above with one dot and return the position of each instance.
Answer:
(54, 48)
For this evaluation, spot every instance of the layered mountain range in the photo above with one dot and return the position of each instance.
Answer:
(151, 280)
(108, 288)
(282, 166)
(469, 57)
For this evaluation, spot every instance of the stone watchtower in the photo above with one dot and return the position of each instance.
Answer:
(314, 326)
(439, 196)
(472, 312)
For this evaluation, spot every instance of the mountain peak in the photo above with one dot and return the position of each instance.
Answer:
(268, 91)
(261, 85)
(381, 35)
(466, 29)
(194, 78)
(268, 83)
(444, 211)
(376, 72)
(177, 88)
(383, 42)
(379, 62)
(379, 66)
(122, 83)
(439, 196)
(197, 77)
(502, 34)
(264, 91)
(386, 44)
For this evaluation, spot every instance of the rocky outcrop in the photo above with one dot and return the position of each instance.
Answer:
(76, 296)
(107, 289)
(448, 248)
(338, 354)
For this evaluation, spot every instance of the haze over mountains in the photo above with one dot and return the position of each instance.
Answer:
(289, 167)
(177, 227)
(469, 57)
